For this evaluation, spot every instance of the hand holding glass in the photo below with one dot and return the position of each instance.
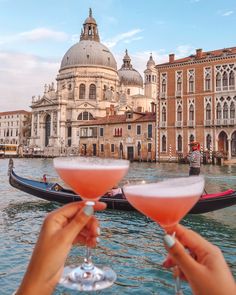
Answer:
(90, 178)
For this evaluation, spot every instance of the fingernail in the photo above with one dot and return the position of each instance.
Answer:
(98, 231)
(97, 239)
(169, 241)
(88, 210)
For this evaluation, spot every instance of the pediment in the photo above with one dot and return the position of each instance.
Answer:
(86, 105)
(44, 101)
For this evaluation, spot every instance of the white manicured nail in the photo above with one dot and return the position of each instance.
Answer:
(169, 241)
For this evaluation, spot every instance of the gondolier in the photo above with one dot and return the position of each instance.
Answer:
(194, 158)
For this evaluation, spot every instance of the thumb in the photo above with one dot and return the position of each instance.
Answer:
(186, 263)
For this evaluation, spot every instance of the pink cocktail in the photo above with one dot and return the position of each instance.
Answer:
(166, 202)
(90, 178)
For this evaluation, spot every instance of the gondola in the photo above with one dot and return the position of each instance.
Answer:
(54, 192)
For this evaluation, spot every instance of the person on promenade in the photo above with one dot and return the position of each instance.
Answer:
(194, 158)
(205, 270)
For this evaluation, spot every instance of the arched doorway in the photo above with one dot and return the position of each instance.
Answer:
(223, 142)
(47, 129)
(233, 144)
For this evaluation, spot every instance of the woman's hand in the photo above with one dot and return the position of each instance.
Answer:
(71, 224)
(204, 268)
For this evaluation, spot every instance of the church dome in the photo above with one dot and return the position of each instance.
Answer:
(129, 76)
(89, 51)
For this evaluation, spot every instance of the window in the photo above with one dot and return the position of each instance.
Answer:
(179, 143)
(191, 138)
(225, 80)
(85, 116)
(231, 80)
(149, 130)
(128, 91)
(179, 85)
(101, 132)
(92, 91)
(163, 114)
(163, 143)
(218, 82)
(191, 113)
(112, 148)
(102, 148)
(82, 91)
(208, 82)
(218, 111)
(179, 113)
(138, 129)
(208, 112)
(208, 141)
(225, 111)
(149, 147)
(129, 127)
(163, 86)
(232, 111)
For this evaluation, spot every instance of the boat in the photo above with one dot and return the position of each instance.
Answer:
(54, 192)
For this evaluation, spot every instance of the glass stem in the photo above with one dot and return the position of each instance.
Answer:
(178, 290)
(88, 264)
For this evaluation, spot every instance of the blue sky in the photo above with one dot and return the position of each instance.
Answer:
(34, 36)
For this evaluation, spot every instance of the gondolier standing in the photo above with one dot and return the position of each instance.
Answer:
(194, 158)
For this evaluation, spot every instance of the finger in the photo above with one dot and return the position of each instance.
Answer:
(77, 223)
(187, 264)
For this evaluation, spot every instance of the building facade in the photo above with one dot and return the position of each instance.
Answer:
(89, 86)
(197, 100)
(15, 127)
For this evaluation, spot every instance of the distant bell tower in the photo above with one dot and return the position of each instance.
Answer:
(151, 80)
(90, 30)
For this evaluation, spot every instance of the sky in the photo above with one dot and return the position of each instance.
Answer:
(35, 35)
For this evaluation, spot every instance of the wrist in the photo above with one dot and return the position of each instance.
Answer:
(30, 286)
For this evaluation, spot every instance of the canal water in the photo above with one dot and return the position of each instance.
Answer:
(130, 243)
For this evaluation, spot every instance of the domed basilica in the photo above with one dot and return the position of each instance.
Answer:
(89, 86)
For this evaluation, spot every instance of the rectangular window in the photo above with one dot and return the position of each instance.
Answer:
(129, 127)
(102, 148)
(101, 132)
(138, 129)
(149, 130)
(149, 147)
(112, 148)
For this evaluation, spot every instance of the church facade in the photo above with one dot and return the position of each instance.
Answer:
(89, 86)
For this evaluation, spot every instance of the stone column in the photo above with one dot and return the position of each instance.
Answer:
(51, 125)
(229, 149)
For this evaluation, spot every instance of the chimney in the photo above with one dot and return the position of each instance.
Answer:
(171, 58)
(112, 110)
(199, 53)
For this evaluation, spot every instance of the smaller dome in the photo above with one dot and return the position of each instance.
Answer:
(129, 76)
(151, 62)
(90, 19)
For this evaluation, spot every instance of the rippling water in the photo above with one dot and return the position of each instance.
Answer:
(130, 242)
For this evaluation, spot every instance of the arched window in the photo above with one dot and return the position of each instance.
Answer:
(82, 91)
(208, 141)
(179, 143)
(208, 82)
(232, 110)
(179, 113)
(191, 138)
(208, 112)
(85, 116)
(163, 114)
(163, 143)
(92, 91)
(163, 86)
(218, 111)
(218, 81)
(179, 84)
(231, 80)
(225, 79)
(191, 84)
(225, 111)
(191, 113)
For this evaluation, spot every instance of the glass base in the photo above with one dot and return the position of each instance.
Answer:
(87, 280)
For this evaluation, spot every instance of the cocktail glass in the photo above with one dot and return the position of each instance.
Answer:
(166, 202)
(90, 178)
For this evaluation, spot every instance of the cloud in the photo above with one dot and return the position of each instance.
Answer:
(125, 37)
(38, 34)
(228, 13)
(22, 76)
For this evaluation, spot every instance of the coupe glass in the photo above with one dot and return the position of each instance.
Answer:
(90, 178)
(166, 202)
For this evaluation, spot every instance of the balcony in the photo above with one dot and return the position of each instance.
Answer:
(191, 123)
(178, 124)
(163, 124)
(163, 95)
(207, 123)
(232, 121)
(218, 122)
(178, 94)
